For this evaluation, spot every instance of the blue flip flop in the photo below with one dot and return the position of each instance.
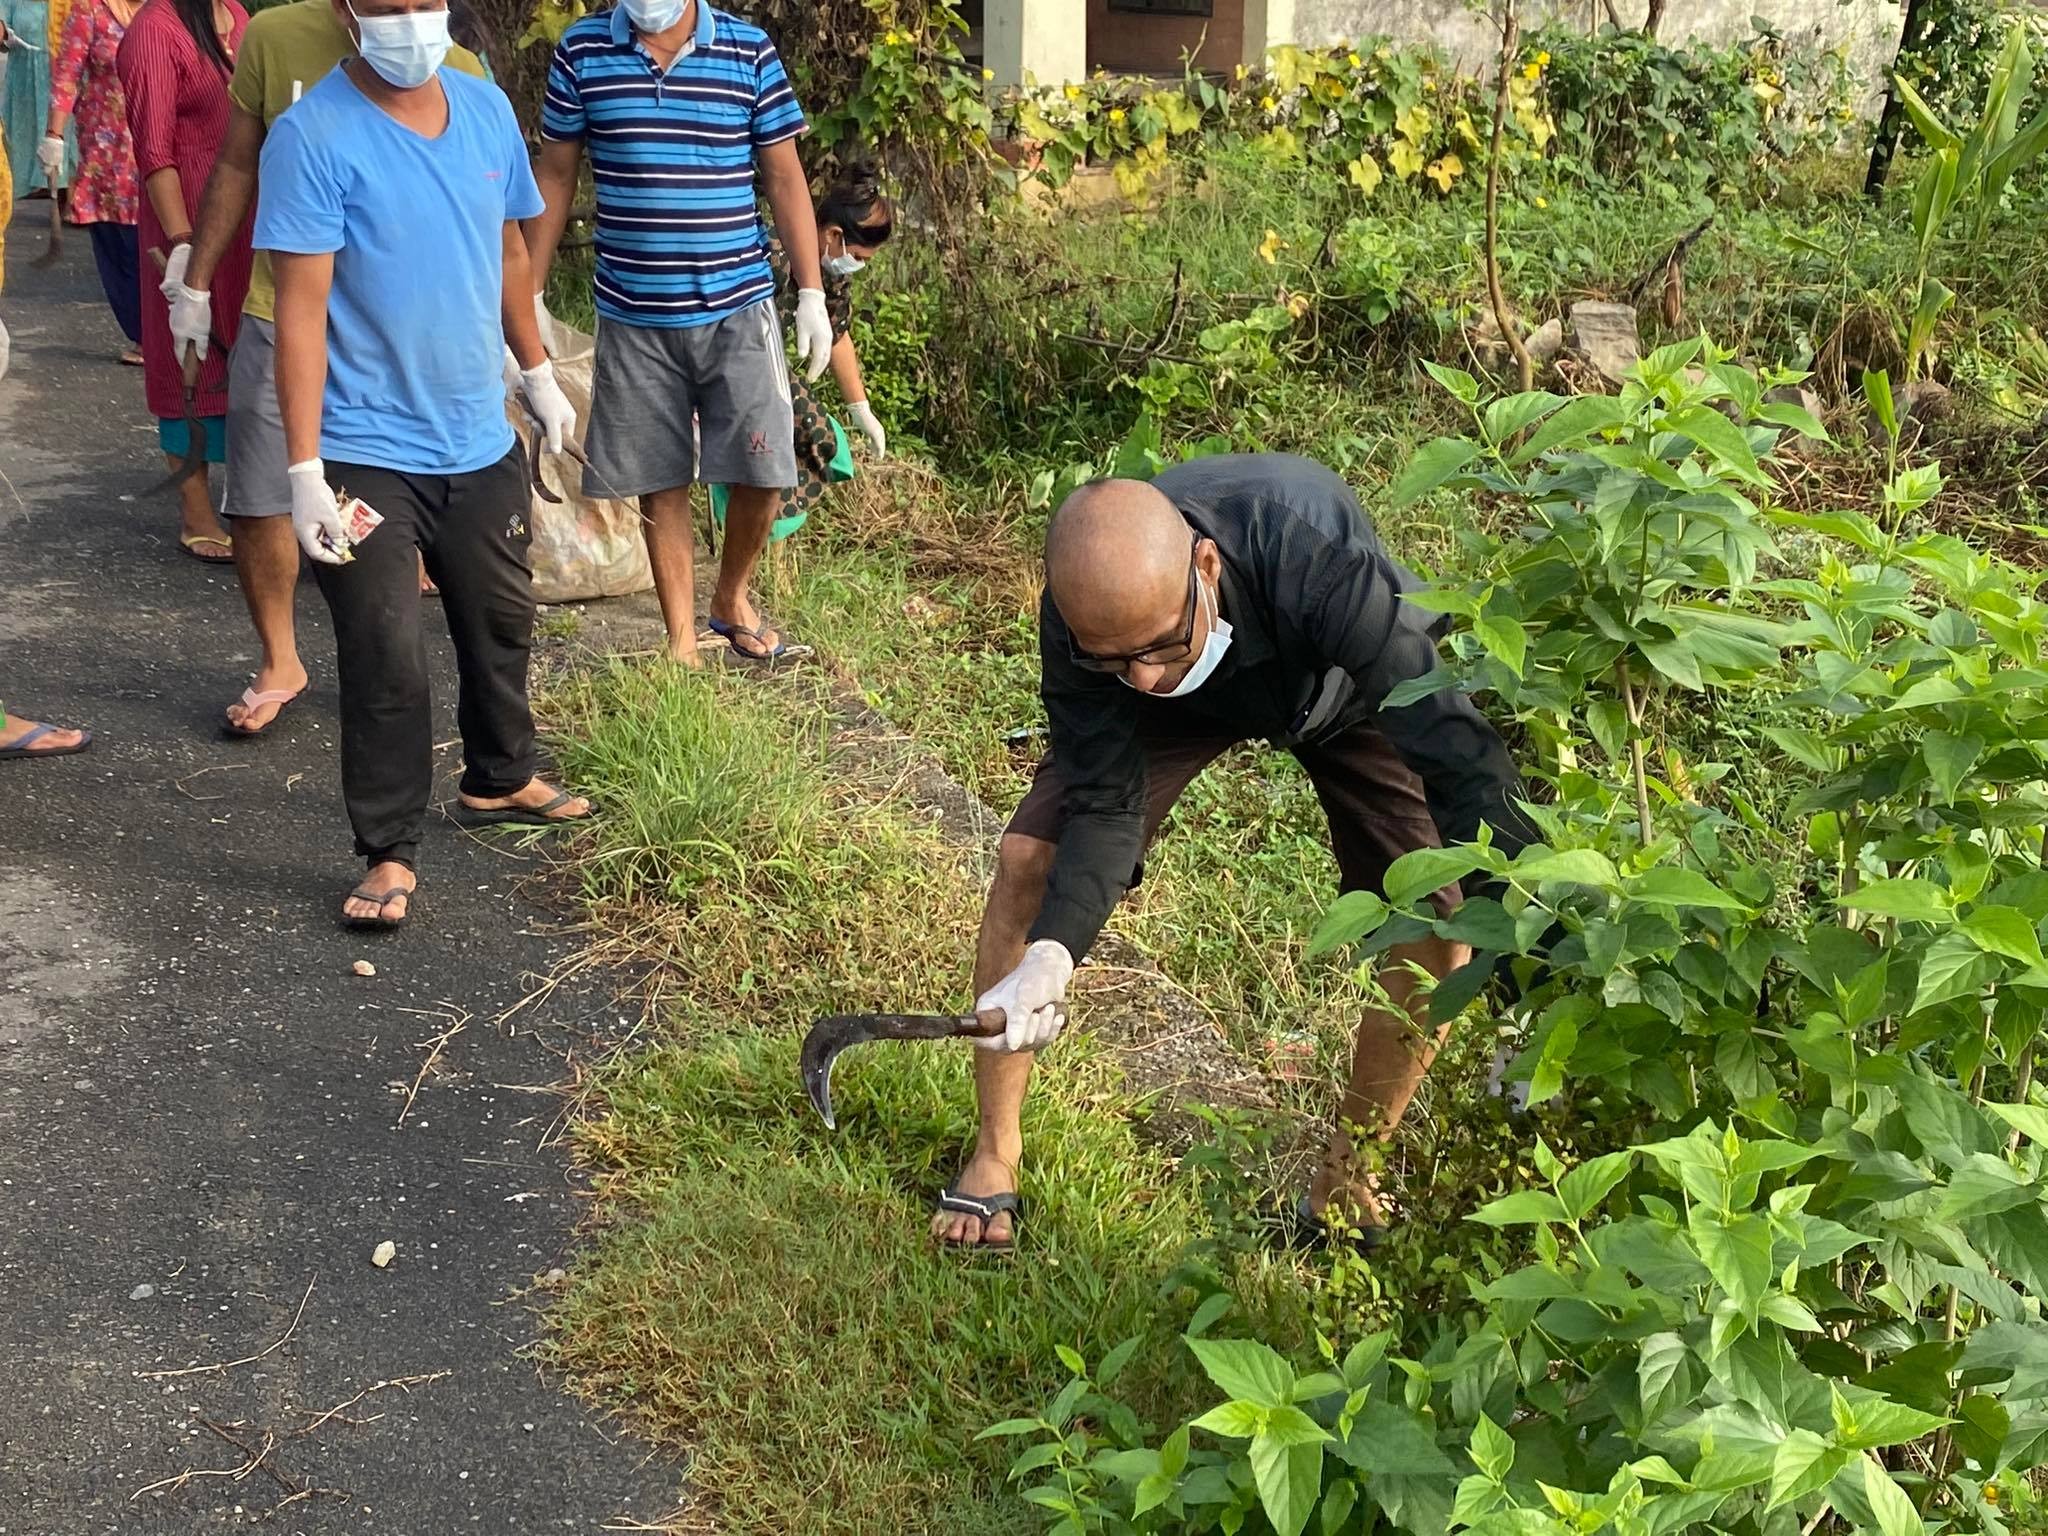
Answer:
(730, 633)
(24, 747)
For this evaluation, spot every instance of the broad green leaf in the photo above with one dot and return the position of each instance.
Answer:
(1246, 1369)
(1422, 870)
(1585, 416)
(1608, 723)
(1351, 917)
(2028, 1119)
(1737, 1253)
(1388, 1439)
(1895, 1513)
(1948, 1125)
(1173, 1455)
(1234, 1420)
(1433, 464)
(2004, 931)
(1869, 1422)
(1505, 640)
(1071, 1359)
(1676, 660)
(1290, 1426)
(1588, 1184)
(1575, 866)
(1321, 1384)
(1521, 1208)
(1721, 438)
(1339, 1499)
(1985, 1183)
(1114, 1362)
(1213, 1306)
(1456, 380)
(1011, 1427)
(1805, 1464)
(1661, 1365)
(1950, 759)
(1796, 418)
(1953, 966)
(1289, 1476)
(1804, 747)
(1877, 388)
(1493, 1453)
(1919, 901)
(1673, 886)
(1789, 1311)
(1511, 413)
(1151, 1493)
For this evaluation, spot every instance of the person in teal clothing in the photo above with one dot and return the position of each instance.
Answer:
(25, 89)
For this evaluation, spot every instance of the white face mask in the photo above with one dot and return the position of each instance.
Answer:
(1206, 663)
(655, 15)
(404, 50)
(843, 265)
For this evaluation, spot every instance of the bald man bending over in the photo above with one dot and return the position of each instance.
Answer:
(1232, 599)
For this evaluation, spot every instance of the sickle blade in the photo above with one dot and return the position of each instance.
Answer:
(834, 1033)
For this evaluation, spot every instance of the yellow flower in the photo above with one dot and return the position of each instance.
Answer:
(1297, 304)
(1356, 61)
(1242, 71)
(1271, 247)
(1430, 86)
(1532, 71)
(1444, 170)
(1542, 202)
(1543, 59)
(988, 74)
(1268, 103)
(1116, 114)
(892, 38)
(1073, 93)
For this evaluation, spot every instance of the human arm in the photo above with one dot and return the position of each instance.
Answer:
(853, 390)
(303, 283)
(555, 172)
(67, 72)
(224, 205)
(148, 70)
(1092, 724)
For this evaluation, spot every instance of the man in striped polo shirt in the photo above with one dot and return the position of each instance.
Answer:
(686, 112)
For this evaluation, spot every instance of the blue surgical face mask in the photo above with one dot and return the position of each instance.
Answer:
(655, 15)
(842, 265)
(1212, 656)
(406, 49)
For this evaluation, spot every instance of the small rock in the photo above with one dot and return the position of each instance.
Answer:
(142, 1293)
(1605, 335)
(527, 1427)
(386, 1252)
(1545, 342)
(364, 968)
(1926, 400)
(554, 1277)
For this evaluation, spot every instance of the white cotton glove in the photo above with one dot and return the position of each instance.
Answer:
(1032, 999)
(865, 420)
(50, 156)
(191, 312)
(174, 269)
(316, 513)
(546, 404)
(813, 331)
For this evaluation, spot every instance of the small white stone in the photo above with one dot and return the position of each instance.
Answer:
(364, 968)
(386, 1252)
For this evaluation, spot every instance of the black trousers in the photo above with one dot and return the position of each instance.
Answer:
(472, 531)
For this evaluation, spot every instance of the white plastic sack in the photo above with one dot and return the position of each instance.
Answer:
(582, 547)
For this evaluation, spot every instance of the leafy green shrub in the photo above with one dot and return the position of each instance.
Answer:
(1817, 1297)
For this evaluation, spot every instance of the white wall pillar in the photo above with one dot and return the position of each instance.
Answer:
(1268, 24)
(1035, 40)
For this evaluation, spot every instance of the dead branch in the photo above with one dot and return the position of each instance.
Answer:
(1663, 265)
(403, 1383)
(259, 1457)
(433, 1048)
(262, 1354)
(179, 784)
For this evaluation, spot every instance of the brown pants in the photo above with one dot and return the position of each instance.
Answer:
(1375, 804)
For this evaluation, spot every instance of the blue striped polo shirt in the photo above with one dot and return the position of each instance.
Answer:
(679, 237)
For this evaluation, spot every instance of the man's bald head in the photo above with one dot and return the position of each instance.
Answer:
(1116, 563)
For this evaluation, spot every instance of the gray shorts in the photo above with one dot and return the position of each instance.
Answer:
(257, 483)
(650, 382)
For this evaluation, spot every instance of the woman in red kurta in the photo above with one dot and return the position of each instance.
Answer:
(175, 63)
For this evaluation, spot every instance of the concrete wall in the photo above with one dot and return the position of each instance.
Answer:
(1869, 27)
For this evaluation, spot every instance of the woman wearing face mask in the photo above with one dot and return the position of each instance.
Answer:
(174, 65)
(854, 223)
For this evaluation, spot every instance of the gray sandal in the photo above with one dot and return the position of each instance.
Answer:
(987, 1207)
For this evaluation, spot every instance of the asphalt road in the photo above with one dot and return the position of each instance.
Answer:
(200, 1144)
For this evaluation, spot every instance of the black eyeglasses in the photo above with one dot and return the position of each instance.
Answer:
(1161, 653)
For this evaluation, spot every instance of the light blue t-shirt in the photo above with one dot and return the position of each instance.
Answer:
(415, 332)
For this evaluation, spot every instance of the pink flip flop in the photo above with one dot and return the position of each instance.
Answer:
(251, 699)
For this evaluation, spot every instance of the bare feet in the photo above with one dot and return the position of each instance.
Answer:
(53, 742)
(985, 1174)
(536, 794)
(286, 677)
(382, 879)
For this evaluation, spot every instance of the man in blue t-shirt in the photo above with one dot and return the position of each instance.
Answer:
(391, 199)
(686, 113)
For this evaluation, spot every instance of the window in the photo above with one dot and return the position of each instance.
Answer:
(1165, 7)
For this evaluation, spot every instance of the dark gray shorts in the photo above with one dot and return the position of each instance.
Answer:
(650, 383)
(257, 484)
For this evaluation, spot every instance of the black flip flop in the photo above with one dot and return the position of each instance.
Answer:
(21, 746)
(380, 922)
(476, 817)
(987, 1207)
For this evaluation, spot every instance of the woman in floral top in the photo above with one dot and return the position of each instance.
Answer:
(103, 189)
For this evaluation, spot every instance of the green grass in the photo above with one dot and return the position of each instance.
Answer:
(762, 1290)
